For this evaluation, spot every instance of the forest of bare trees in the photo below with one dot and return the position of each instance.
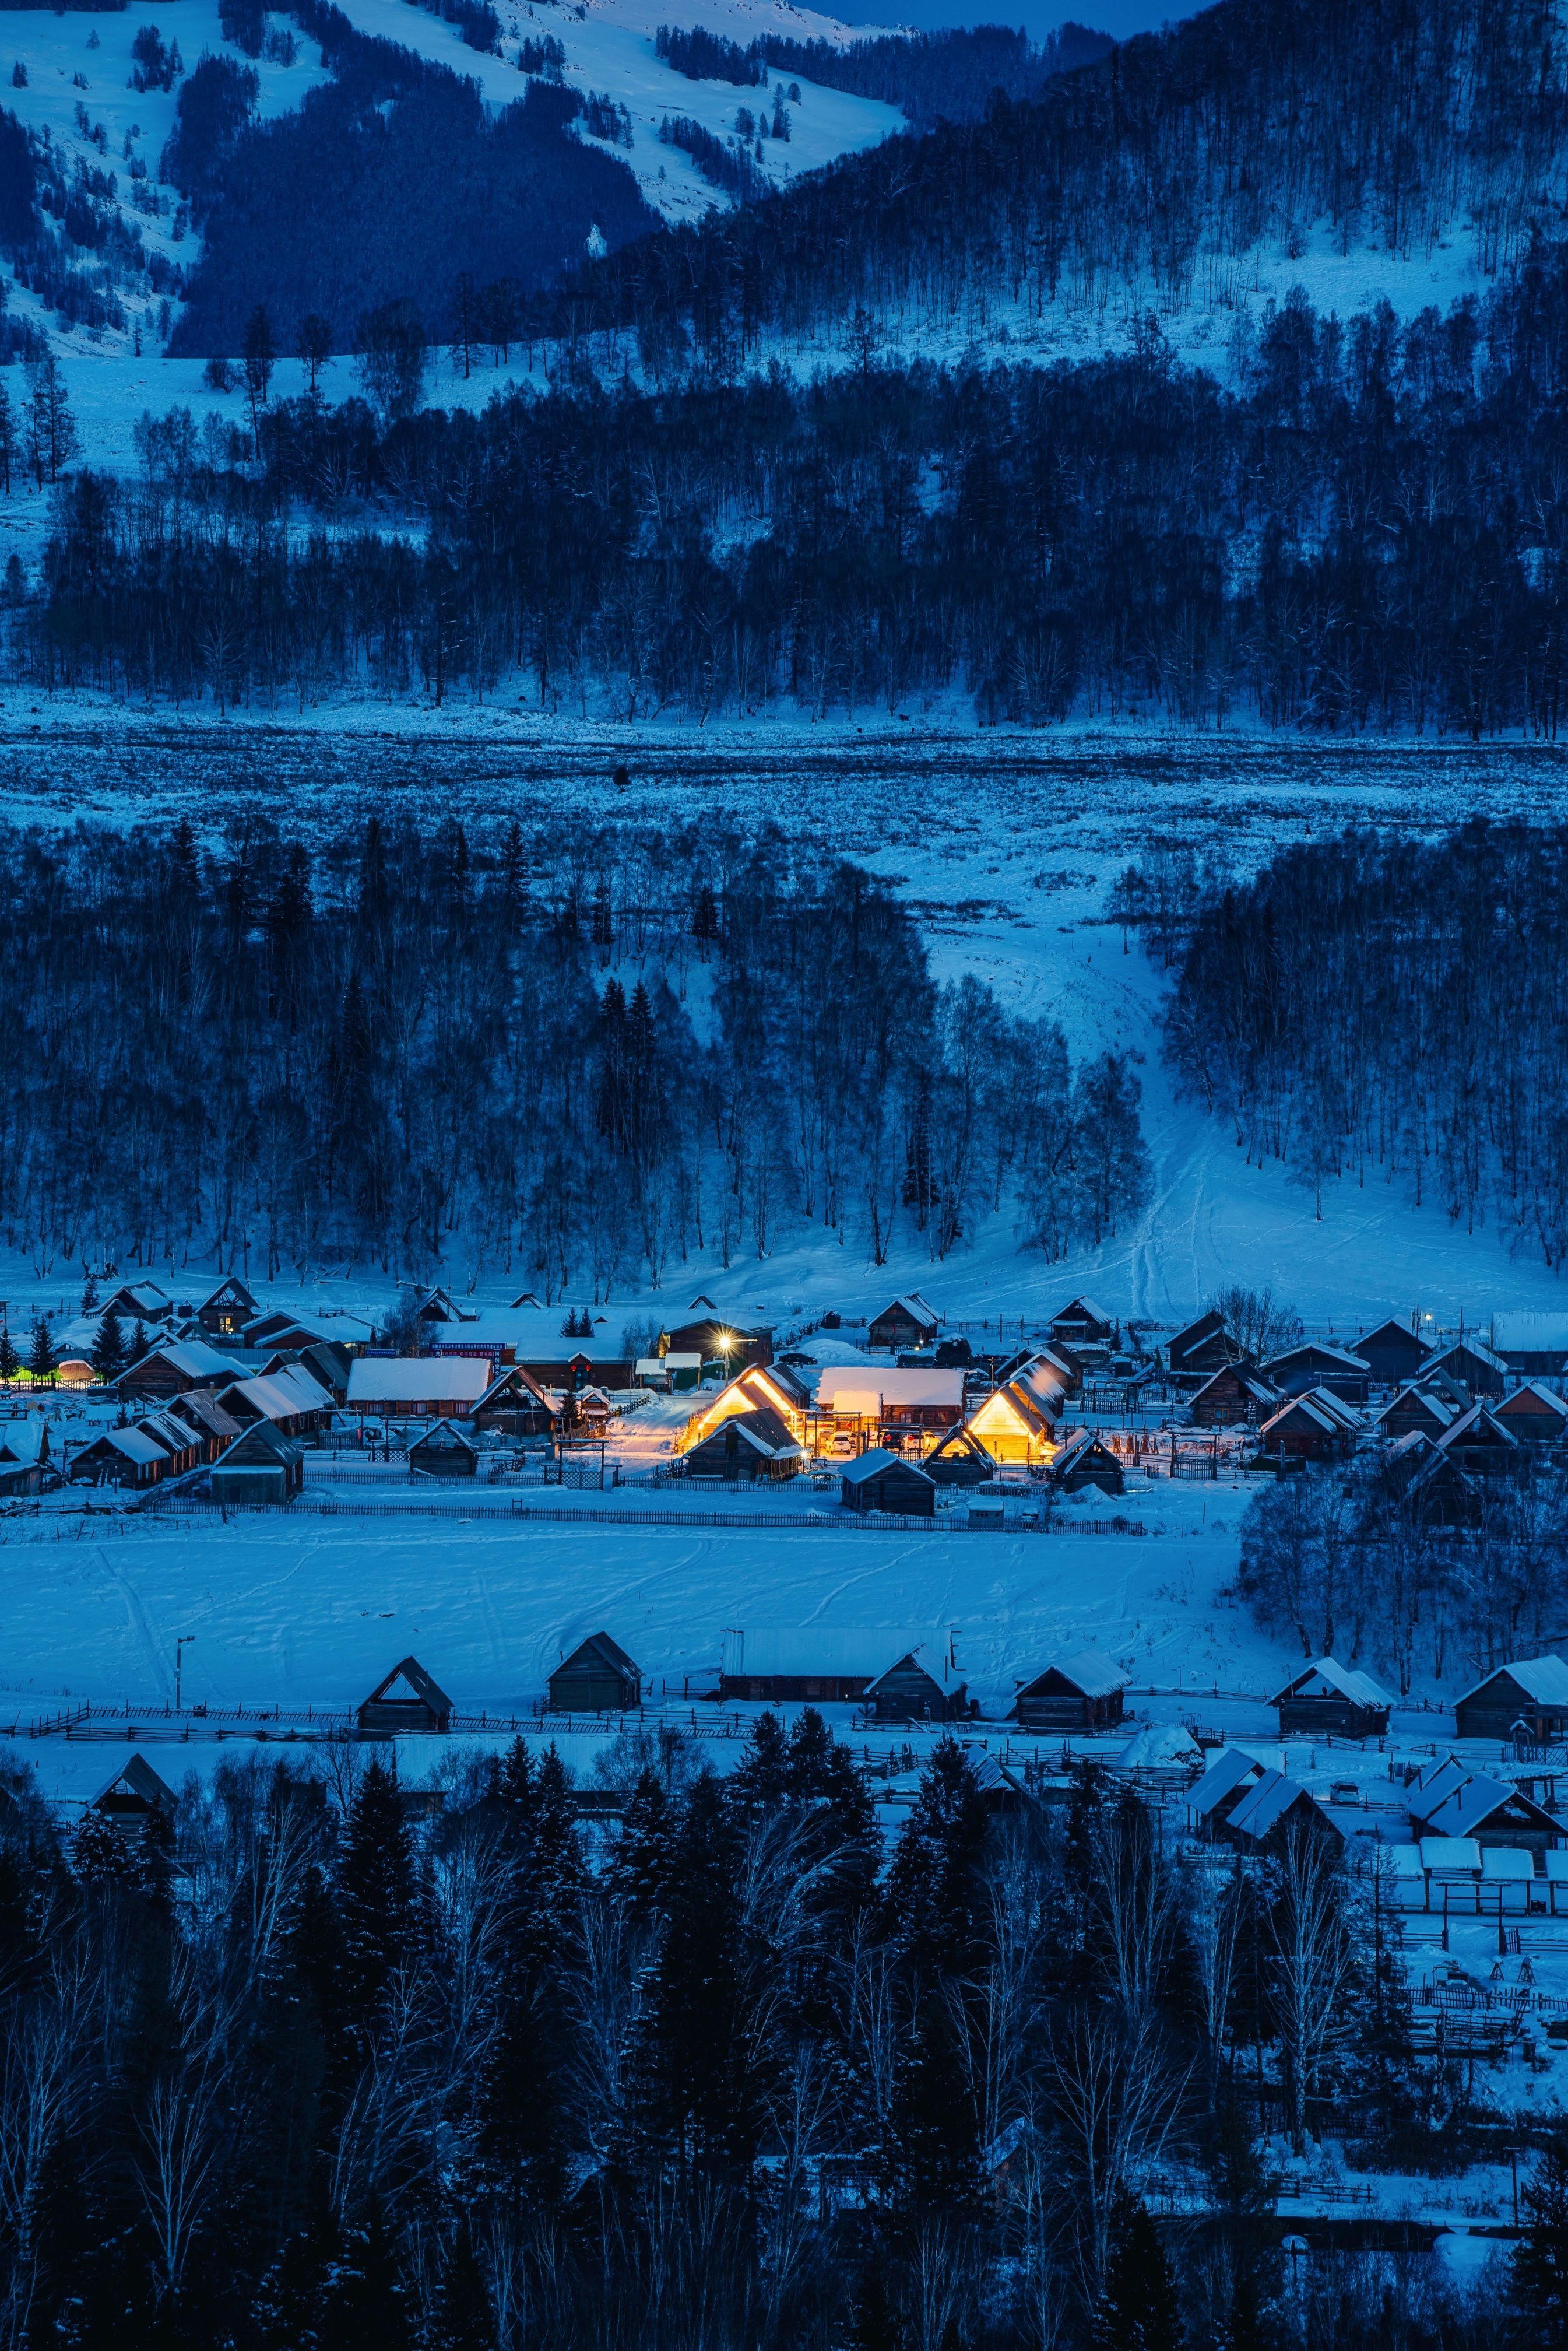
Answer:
(278, 2072)
(576, 1066)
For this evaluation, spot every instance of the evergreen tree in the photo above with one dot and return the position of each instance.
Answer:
(90, 1291)
(643, 1853)
(108, 1356)
(10, 1361)
(762, 1777)
(138, 1343)
(1138, 2308)
(42, 1361)
(933, 1885)
(933, 2154)
(376, 1896)
(1541, 2258)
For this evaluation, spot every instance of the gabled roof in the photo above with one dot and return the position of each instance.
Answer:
(175, 1435)
(873, 1390)
(1393, 1329)
(1416, 1396)
(760, 1429)
(1084, 1309)
(1527, 1400)
(230, 1286)
(420, 1686)
(1243, 1373)
(1358, 1688)
(270, 1439)
(1467, 1347)
(1335, 1406)
(1230, 1769)
(860, 1471)
(1318, 1351)
(136, 1774)
(609, 1651)
(417, 1379)
(516, 1380)
(282, 1395)
(1307, 1409)
(1090, 1671)
(192, 1358)
(1525, 1331)
(913, 1307)
(1545, 1679)
(961, 1439)
(445, 1435)
(810, 1651)
(201, 1408)
(1078, 1442)
(1479, 1426)
(134, 1443)
(1264, 1807)
(1462, 1810)
(933, 1664)
(1209, 1324)
(25, 1440)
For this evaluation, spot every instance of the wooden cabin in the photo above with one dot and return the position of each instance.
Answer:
(745, 1447)
(418, 1387)
(289, 1400)
(1269, 1810)
(406, 1700)
(1085, 1692)
(1423, 1411)
(1449, 1800)
(881, 1402)
(1482, 1448)
(1234, 1396)
(1534, 1414)
(1474, 1367)
(1328, 1698)
(515, 1405)
(262, 1466)
(1438, 1492)
(224, 1313)
(1216, 1795)
(1532, 1344)
(178, 1438)
(958, 1459)
(1082, 1323)
(1315, 1365)
(133, 1792)
(774, 1389)
(175, 1367)
(139, 1301)
(1528, 1696)
(919, 1687)
(1199, 1350)
(1017, 1422)
(1393, 1354)
(1083, 1461)
(442, 1450)
(598, 1677)
(713, 1339)
(1304, 1430)
(119, 1456)
(211, 1427)
(908, 1321)
(880, 1480)
(808, 1664)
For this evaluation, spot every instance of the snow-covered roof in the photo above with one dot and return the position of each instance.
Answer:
(1264, 1807)
(1229, 1769)
(1085, 1309)
(872, 1464)
(1479, 1426)
(192, 1358)
(283, 1395)
(1307, 1406)
(1474, 1346)
(1088, 1670)
(1538, 1393)
(811, 1651)
(418, 1379)
(1157, 1745)
(1358, 1688)
(1507, 1862)
(1526, 1331)
(1545, 1679)
(1461, 1812)
(854, 1391)
(135, 1445)
(1447, 1855)
(1325, 1400)
(1416, 1393)
(913, 1307)
(1405, 1861)
(26, 1438)
(1319, 1350)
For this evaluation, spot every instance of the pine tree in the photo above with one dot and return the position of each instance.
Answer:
(643, 1853)
(42, 1361)
(934, 2144)
(1138, 2308)
(933, 1885)
(1541, 2259)
(10, 1361)
(763, 1774)
(138, 1343)
(108, 1356)
(375, 1894)
(99, 1855)
(261, 358)
(89, 1291)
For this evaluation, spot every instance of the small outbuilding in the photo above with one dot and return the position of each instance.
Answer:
(1331, 1698)
(1233, 1397)
(880, 1480)
(259, 1467)
(1199, 1350)
(746, 1446)
(1393, 1354)
(1528, 1693)
(921, 1687)
(907, 1322)
(1269, 1810)
(1085, 1692)
(1085, 1460)
(406, 1700)
(958, 1459)
(132, 1794)
(1082, 1323)
(598, 1677)
(514, 1404)
(442, 1450)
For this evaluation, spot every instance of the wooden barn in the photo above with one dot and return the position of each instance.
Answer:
(1199, 1350)
(1269, 1810)
(133, 1792)
(958, 1459)
(1393, 1354)
(919, 1687)
(1423, 1411)
(813, 1663)
(441, 1450)
(174, 1366)
(1315, 1365)
(1085, 1692)
(907, 1322)
(1234, 1396)
(1532, 1344)
(1082, 1323)
(880, 1480)
(1534, 1414)
(515, 1405)
(178, 1438)
(259, 1467)
(1083, 1461)
(119, 1456)
(1474, 1367)
(1528, 1697)
(1304, 1430)
(1482, 1448)
(406, 1700)
(598, 1677)
(1449, 1800)
(1327, 1697)
(746, 1446)
(226, 1311)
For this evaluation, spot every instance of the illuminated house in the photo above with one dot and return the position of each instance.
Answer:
(772, 1388)
(1017, 1422)
(879, 1405)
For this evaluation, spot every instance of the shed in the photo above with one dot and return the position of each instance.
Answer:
(1392, 1353)
(1449, 1800)
(259, 1467)
(1528, 1691)
(1234, 1395)
(1082, 1323)
(1199, 1350)
(598, 1677)
(132, 1794)
(1085, 1461)
(406, 1700)
(1327, 1697)
(958, 1459)
(515, 1405)
(1477, 1370)
(879, 1481)
(908, 1321)
(1315, 1365)
(1269, 1810)
(1230, 1774)
(1481, 1447)
(418, 1387)
(1536, 1415)
(920, 1686)
(745, 1447)
(1304, 1430)
(810, 1663)
(440, 1450)
(1084, 1692)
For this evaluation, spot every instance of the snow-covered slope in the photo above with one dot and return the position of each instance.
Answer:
(609, 47)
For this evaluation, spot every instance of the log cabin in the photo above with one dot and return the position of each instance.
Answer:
(1083, 1461)
(175, 1365)
(1082, 1323)
(1424, 1411)
(958, 1459)
(1448, 1800)
(1531, 1344)
(908, 1321)
(1528, 1693)
(262, 1466)
(1536, 1415)
(811, 1664)
(119, 1456)
(880, 1480)
(882, 1404)
(1394, 1354)
(408, 1699)
(718, 1341)
(1472, 1367)
(598, 1677)
(132, 1794)
(441, 1450)
(1270, 1810)
(417, 1387)
(1482, 1448)
(1083, 1692)
(919, 1687)
(746, 1447)
(224, 1313)
(289, 1400)
(1329, 1698)
(1315, 1365)
(1305, 1429)
(1199, 1350)
(1235, 1396)
(1216, 1795)
(1017, 1422)
(515, 1405)
(213, 1427)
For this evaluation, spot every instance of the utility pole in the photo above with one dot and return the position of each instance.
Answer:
(183, 1644)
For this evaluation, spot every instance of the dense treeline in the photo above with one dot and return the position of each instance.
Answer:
(1141, 179)
(1368, 533)
(1339, 1565)
(1385, 1011)
(947, 77)
(582, 1065)
(279, 2074)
